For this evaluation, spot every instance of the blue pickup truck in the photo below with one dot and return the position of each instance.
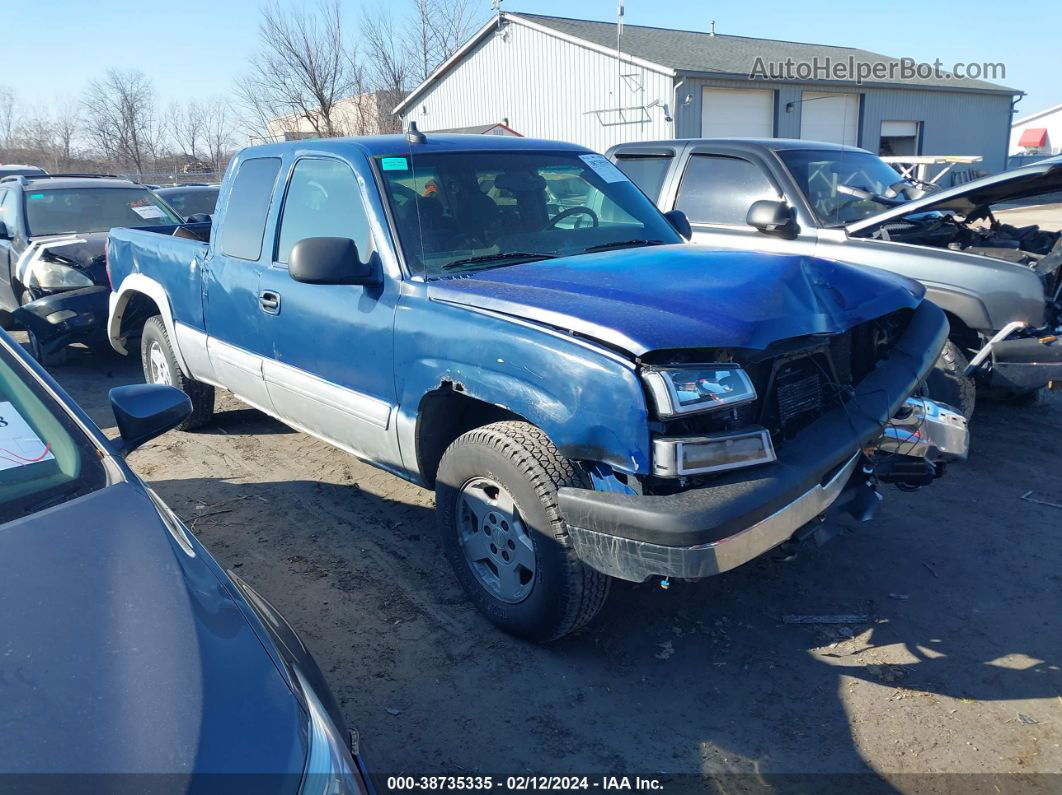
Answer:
(512, 323)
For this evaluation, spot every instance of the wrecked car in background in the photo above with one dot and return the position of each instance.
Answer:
(1000, 286)
(589, 396)
(53, 229)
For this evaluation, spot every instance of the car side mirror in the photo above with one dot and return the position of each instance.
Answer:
(4, 233)
(772, 218)
(680, 222)
(329, 260)
(144, 411)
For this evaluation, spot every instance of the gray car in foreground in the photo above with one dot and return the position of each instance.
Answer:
(1000, 285)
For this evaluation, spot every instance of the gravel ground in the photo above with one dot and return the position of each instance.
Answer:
(956, 671)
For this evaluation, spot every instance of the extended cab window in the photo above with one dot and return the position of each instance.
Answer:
(646, 171)
(720, 190)
(245, 216)
(323, 200)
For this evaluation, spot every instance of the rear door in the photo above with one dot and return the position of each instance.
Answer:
(715, 191)
(331, 369)
(232, 310)
(9, 217)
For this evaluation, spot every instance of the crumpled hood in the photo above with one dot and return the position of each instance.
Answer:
(84, 248)
(684, 296)
(122, 652)
(1036, 179)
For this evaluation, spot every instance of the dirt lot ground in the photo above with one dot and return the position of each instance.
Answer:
(957, 670)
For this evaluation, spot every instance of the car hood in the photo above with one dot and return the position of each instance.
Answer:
(122, 651)
(1020, 183)
(80, 248)
(684, 296)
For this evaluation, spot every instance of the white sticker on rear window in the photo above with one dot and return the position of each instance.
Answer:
(147, 211)
(603, 167)
(19, 445)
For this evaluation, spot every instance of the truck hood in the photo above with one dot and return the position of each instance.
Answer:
(1020, 183)
(684, 296)
(123, 652)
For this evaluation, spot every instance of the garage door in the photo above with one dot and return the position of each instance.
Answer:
(830, 117)
(728, 112)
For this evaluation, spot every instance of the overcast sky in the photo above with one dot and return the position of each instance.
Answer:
(197, 47)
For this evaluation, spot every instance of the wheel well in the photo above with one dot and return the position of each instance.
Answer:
(137, 310)
(444, 414)
(962, 335)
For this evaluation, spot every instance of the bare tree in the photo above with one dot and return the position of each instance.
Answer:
(303, 70)
(422, 38)
(186, 123)
(67, 123)
(8, 120)
(387, 65)
(218, 133)
(120, 117)
(453, 27)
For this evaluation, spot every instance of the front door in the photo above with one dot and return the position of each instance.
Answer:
(331, 369)
(232, 307)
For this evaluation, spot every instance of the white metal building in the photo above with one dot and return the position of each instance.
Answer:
(1038, 134)
(552, 77)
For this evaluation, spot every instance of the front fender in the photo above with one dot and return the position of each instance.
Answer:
(589, 400)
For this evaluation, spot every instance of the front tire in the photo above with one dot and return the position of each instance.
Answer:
(947, 384)
(496, 502)
(160, 367)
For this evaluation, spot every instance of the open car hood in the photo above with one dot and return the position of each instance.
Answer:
(1019, 183)
(682, 296)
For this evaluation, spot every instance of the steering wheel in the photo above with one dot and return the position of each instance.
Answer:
(573, 211)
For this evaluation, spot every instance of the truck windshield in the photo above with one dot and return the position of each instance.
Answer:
(62, 210)
(824, 175)
(45, 458)
(466, 211)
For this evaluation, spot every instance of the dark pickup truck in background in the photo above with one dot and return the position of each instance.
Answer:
(1000, 286)
(589, 396)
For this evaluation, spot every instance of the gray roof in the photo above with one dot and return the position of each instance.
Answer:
(692, 51)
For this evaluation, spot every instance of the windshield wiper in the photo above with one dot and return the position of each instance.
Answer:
(527, 256)
(623, 244)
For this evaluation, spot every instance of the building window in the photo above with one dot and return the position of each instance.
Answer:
(900, 138)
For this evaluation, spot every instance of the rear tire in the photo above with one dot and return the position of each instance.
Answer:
(947, 384)
(160, 367)
(496, 502)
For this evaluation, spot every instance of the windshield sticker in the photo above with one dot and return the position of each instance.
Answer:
(394, 164)
(147, 211)
(604, 168)
(36, 196)
(19, 445)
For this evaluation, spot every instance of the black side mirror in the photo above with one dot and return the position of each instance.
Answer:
(4, 233)
(678, 219)
(772, 218)
(144, 411)
(329, 260)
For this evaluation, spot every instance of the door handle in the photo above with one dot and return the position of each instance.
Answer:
(269, 301)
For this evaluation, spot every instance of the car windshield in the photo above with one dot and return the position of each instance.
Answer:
(191, 201)
(824, 177)
(60, 210)
(45, 458)
(460, 212)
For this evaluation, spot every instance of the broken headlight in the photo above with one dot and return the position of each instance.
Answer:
(56, 276)
(706, 387)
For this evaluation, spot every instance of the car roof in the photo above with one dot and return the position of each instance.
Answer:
(772, 144)
(399, 145)
(38, 183)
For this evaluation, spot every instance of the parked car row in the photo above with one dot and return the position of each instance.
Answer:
(522, 326)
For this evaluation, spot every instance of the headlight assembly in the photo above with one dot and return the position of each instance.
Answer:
(56, 276)
(705, 387)
(330, 768)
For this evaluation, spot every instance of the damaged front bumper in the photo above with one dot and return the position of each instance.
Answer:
(1019, 360)
(741, 515)
(62, 318)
